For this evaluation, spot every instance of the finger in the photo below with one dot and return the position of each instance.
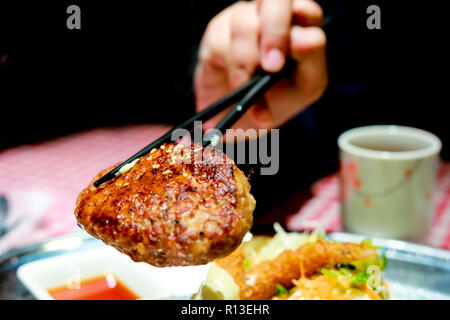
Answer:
(275, 18)
(307, 43)
(261, 114)
(210, 77)
(244, 56)
(307, 13)
(215, 42)
(308, 47)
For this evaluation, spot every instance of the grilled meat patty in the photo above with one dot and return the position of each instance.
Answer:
(177, 206)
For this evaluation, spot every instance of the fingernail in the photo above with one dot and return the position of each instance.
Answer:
(273, 60)
(297, 33)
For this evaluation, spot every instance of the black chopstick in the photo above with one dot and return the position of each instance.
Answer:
(214, 109)
(249, 99)
(245, 95)
(249, 93)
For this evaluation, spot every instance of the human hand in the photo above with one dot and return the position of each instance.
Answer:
(263, 33)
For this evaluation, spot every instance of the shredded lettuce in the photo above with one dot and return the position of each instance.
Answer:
(384, 259)
(329, 273)
(362, 265)
(281, 290)
(266, 249)
(368, 244)
(347, 273)
(360, 278)
(347, 276)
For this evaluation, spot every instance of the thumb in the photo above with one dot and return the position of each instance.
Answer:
(210, 84)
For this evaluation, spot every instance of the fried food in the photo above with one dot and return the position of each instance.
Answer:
(178, 206)
(260, 281)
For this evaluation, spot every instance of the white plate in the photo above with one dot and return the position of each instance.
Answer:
(146, 281)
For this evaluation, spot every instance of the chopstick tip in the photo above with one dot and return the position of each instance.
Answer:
(104, 179)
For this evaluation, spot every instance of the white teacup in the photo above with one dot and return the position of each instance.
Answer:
(388, 177)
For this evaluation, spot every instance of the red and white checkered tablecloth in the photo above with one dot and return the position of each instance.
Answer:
(323, 209)
(42, 181)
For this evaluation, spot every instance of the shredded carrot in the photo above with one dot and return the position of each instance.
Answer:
(371, 293)
(302, 270)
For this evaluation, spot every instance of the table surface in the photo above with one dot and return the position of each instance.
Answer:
(42, 181)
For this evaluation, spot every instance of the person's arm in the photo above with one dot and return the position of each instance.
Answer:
(263, 33)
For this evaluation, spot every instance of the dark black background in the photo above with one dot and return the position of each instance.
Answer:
(132, 62)
(171, 309)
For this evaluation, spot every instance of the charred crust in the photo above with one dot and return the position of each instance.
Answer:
(166, 212)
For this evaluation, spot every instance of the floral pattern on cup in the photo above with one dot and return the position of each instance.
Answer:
(388, 177)
(349, 175)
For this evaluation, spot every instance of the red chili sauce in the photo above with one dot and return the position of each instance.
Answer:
(98, 288)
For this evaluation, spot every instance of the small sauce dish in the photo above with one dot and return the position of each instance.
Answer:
(106, 274)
